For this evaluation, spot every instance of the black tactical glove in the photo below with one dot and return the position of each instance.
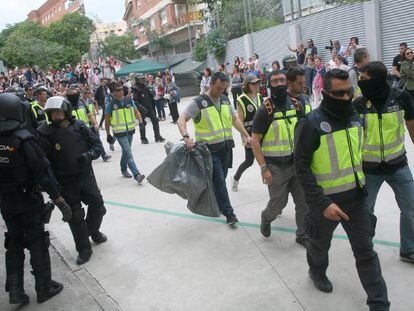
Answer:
(66, 211)
(110, 139)
(84, 158)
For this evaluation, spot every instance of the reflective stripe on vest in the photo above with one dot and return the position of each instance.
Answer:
(338, 160)
(35, 105)
(123, 120)
(278, 140)
(215, 126)
(81, 114)
(383, 136)
(250, 102)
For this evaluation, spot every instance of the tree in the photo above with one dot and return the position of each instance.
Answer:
(73, 30)
(119, 46)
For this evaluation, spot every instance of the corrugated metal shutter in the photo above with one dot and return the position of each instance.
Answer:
(234, 48)
(340, 23)
(396, 27)
(271, 44)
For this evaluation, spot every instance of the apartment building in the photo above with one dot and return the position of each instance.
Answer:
(53, 10)
(180, 22)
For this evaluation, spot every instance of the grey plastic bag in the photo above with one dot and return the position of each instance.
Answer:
(188, 173)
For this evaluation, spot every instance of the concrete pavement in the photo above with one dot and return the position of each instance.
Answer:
(159, 256)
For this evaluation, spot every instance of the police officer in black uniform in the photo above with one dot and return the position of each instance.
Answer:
(23, 166)
(144, 100)
(71, 146)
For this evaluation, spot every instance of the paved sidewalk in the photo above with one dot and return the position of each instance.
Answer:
(81, 291)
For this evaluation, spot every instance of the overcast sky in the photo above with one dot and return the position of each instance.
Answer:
(14, 11)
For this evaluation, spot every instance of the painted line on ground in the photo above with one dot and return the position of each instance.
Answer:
(243, 224)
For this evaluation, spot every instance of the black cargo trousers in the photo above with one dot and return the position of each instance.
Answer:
(360, 230)
(22, 212)
(78, 189)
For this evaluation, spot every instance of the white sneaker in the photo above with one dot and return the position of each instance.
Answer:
(235, 185)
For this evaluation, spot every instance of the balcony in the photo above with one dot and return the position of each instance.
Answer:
(187, 18)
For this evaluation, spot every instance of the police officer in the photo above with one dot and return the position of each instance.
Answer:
(384, 110)
(38, 105)
(83, 109)
(30, 92)
(328, 160)
(70, 147)
(144, 100)
(22, 165)
(120, 114)
(273, 144)
(247, 104)
(214, 117)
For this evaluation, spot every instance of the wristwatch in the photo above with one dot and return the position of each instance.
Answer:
(263, 168)
(186, 136)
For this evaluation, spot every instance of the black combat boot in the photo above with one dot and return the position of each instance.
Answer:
(47, 289)
(15, 289)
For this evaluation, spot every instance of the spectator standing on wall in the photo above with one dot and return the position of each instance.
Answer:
(236, 84)
(407, 71)
(300, 54)
(396, 63)
(311, 50)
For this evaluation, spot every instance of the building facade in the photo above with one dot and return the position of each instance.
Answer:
(181, 23)
(53, 10)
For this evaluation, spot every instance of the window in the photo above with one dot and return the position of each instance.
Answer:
(163, 17)
(179, 9)
(60, 8)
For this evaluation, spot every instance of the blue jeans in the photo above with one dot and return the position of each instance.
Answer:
(402, 184)
(127, 159)
(220, 169)
(159, 105)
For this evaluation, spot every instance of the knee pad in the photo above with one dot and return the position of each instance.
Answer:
(6, 240)
(46, 239)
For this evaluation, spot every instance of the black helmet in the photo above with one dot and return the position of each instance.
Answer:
(18, 91)
(11, 112)
(289, 61)
(58, 102)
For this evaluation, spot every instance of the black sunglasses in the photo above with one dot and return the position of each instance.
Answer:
(409, 53)
(341, 93)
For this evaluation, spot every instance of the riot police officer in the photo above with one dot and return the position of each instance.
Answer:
(70, 147)
(22, 166)
(144, 100)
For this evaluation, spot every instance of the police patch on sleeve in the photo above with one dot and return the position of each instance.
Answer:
(40, 112)
(250, 108)
(326, 127)
(204, 103)
(115, 106)
(58, 146)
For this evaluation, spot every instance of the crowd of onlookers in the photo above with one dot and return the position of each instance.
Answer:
(308, 58)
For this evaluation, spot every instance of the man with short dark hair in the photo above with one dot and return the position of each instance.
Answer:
(384, 110)
(396, 62)
(120, 115)
(272, 144)
(214, 117)
(361, 57)
(328, 161)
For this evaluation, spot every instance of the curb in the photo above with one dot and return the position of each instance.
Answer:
(91, 285)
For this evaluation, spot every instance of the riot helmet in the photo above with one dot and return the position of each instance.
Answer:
(18, 91)
(58, 103)
(11, 113)
(289, 61)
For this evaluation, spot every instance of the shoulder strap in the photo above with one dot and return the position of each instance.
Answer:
(23, 134)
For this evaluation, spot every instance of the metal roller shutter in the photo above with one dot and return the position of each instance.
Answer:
(271, 44)
(396, 27)
(334, 24)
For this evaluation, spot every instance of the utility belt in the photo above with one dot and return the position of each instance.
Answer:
(20, 190)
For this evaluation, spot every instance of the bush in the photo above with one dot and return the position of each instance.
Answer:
(200, 50)
(216, 42)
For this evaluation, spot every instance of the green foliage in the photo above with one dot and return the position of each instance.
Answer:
(200, 50)
(119, 46)
(63, 42)
(73, 30)
(216, 42)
